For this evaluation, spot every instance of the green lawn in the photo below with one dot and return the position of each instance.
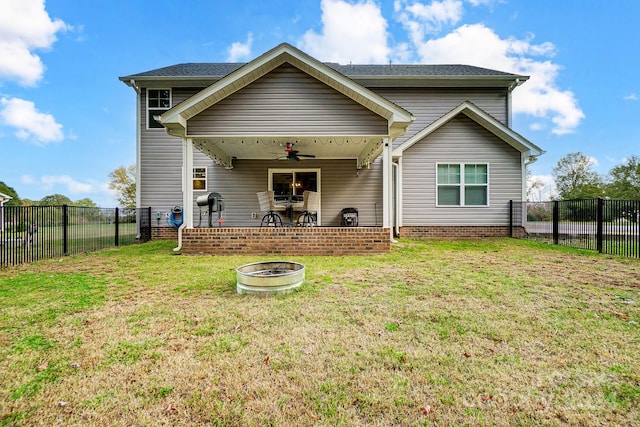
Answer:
(491, 332)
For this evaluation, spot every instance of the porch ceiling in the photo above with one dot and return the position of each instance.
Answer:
(224, 149)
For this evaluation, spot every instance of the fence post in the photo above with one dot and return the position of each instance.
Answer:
(117, 222)
(65, 229)
(149, 223)
(599, 221)
(556, 221)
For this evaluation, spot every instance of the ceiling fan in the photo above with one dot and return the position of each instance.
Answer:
(293, 154)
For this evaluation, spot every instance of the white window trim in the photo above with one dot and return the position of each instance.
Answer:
(462, 185)
(148, 118)
(206, 176)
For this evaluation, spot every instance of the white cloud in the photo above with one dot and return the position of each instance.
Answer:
(421, 19)
(351, 32)
(631, 97)
(483, 2)
(71, 186)
(29, 122)
(240, 51)
(356, 32)
(25, 26)
(99, 192)
(27, 179)
(540, 97)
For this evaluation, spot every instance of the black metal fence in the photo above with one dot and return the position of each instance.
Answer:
(31, 233)
(603, 225)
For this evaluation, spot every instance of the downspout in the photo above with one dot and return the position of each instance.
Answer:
(396, 196)
(136, 88)
(187, 189)
(178, 248)
(514, 85)
(527, 159)
(138, 142)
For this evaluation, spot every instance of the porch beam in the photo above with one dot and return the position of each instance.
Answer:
(214, 152)
(369, 153)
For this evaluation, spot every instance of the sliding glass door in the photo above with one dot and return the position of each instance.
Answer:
(292, 183)
(289, 185)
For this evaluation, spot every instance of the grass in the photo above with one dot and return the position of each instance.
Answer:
(491, 332)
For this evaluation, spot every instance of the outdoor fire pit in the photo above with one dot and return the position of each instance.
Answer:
(262, 278)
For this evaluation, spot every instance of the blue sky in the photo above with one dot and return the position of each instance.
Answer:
(66, 120)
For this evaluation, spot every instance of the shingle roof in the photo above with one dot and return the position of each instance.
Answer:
(192, 69)
(219, 70)
(415, 70)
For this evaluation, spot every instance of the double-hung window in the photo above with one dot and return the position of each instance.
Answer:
(200, 179)
(158, 101)
(462, 184)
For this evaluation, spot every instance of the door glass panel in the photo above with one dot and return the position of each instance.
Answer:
(283, 184)
(305, 181)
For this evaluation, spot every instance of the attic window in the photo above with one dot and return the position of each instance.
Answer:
(158, 101)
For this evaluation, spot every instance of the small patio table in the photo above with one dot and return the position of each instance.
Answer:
(290, 202)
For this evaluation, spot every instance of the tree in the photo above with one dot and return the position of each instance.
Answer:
(625, 180)
(86, 202)
(5, 189)
(55, 200)
(575, 179)
(539, 188)
(123, 182)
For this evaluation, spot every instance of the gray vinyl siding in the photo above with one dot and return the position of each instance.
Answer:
(285, 102)
(161, 163)
(429, 104)
(340, 187)
(288, 101)
(459, 141)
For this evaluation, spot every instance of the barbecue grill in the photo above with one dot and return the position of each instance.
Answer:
(214, 203)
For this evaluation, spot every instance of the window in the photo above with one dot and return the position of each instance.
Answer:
(158, 101)
(461, 184)
(200, 179)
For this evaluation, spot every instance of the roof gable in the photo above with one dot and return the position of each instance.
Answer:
(482, 118)
(175, 119)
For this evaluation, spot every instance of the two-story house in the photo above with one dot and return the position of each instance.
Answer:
(417, 150)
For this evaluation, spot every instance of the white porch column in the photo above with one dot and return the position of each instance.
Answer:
(387, 183)
(187, 182)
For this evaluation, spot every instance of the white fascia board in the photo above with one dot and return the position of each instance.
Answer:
(485, 120)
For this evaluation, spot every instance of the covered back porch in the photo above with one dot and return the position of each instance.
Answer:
(288, 123)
